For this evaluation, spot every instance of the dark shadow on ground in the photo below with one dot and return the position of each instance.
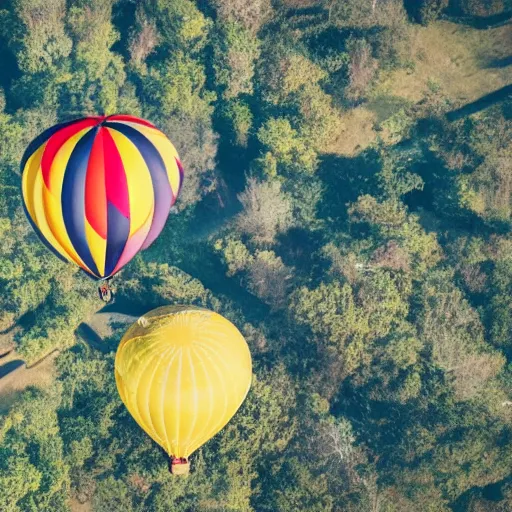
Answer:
(342, 177)
(482, 23)
(481, 103)
(10, 72)
(10, 367)
(6, 352)
(92, 338)
(500, 63)
(490, 493)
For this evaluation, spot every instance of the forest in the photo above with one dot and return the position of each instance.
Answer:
(347, 204)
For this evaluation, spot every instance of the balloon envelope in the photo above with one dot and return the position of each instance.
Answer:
(99, 189)
(183, 372)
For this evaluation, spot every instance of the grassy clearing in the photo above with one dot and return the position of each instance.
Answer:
(464, 62)
(76, 506)
(100, 323)
(358, 132)
(14, 383)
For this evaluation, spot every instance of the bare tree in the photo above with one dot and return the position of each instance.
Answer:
(267, 211)
(391, 256)
(454, 332)
(338, 440)
(144, 40)
(362, 69)
(269, 279)
(251, 14)
(196, 143)
(473, 371)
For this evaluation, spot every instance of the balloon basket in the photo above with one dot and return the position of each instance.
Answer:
(180, 467)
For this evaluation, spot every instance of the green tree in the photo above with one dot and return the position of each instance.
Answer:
(286, 148)
(236, 51)
(98, 73)
(18, 477)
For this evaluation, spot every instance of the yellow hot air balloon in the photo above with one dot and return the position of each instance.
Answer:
(182, 372)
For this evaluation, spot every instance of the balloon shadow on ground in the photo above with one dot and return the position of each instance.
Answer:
(9, 367)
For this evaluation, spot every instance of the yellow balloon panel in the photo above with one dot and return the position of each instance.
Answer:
(183, 372)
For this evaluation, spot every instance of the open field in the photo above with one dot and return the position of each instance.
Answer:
(39, 375)
(466, 63)
(76, 506)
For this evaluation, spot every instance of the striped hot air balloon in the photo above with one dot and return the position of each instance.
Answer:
(98, 190)
(182, 372)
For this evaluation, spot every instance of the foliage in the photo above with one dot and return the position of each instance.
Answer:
(236, 52)
(249, 14)
(429, 10)
(373, 286)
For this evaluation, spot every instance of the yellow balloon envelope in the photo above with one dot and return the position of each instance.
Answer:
(182, 372)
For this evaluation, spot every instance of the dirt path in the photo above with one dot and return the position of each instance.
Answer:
(15, 376)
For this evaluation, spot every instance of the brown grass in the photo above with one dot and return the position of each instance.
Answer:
(358, 132)
(14, 383)
(76, 506)
(461, 60)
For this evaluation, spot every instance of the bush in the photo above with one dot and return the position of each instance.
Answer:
(239, 118)
(482, 8)
(427, 11)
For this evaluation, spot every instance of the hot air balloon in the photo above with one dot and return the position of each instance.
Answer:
(182, 372)
(98, 190)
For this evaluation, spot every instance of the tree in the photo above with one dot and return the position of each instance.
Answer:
(286, 147)
(143, 40)
(236, 51)
(283, 72)
(38, 38)
(180, 24)
(318, 121)
(500, 307)
(98, 73)
(252, 15)
(352, 14)
(428, 11)
(267, 211)
(18, 477)
(481, 7)
(488, 190)
(454, 332)
(239, 118)
(368, 209)
(196, 143)
(111, 494)
(269, 278)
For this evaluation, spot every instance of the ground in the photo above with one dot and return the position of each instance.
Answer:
(466, 63)
(39, 375)
(14, 379)
(76, 506)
